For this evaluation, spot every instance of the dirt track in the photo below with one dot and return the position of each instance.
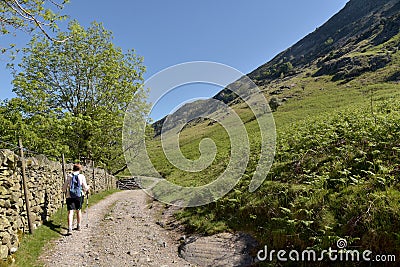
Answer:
(123, 231)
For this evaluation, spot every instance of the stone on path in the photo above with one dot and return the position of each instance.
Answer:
(223, 249)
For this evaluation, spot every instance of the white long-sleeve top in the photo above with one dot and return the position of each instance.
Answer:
(82, 180)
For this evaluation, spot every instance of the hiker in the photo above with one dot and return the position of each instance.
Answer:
(75, 187)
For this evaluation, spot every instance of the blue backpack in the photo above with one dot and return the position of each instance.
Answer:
(75, 187)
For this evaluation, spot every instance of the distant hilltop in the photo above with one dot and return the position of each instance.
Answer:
(346, 46)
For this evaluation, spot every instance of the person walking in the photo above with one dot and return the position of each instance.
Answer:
(75, 187)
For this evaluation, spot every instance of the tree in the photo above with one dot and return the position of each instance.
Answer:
(11, 121)
(85, 82)
(39, 133)
(285, 68)
(28, 15)
(274, 103)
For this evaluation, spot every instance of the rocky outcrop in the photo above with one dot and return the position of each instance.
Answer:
(44, 181)
(351, 67)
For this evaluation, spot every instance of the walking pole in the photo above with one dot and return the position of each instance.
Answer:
(87, 210)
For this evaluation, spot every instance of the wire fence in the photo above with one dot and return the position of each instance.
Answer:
(32, 153)
(88, 164)
(7, 145)
(28, 152)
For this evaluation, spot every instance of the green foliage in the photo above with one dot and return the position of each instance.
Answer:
(29, 15)
(335, 172)
(73, 95)
(285, 68)
(329, 41)
(274, 103)
(333, 177)
(40, 133)
(275, 71)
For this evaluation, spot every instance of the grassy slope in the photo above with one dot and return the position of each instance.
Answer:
(335, 171)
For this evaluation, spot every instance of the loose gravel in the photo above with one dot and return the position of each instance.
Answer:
(123, 231)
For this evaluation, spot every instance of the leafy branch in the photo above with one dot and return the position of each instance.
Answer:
(29, 15)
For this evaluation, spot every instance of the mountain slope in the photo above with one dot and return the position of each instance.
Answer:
(360, 24)
(336, 167)
(343, 47)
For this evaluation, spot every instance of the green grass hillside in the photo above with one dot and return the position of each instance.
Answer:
(336, 170)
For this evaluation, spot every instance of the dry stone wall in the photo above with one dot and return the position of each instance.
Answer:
(44, 182)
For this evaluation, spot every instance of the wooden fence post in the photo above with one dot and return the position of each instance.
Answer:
(64, 179)
(105, 179)
(26, 192)
(63, 168)
(93, 179)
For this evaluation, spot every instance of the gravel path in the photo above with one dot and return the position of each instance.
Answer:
(123, 231)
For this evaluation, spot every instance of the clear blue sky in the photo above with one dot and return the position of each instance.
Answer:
(241, 34)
